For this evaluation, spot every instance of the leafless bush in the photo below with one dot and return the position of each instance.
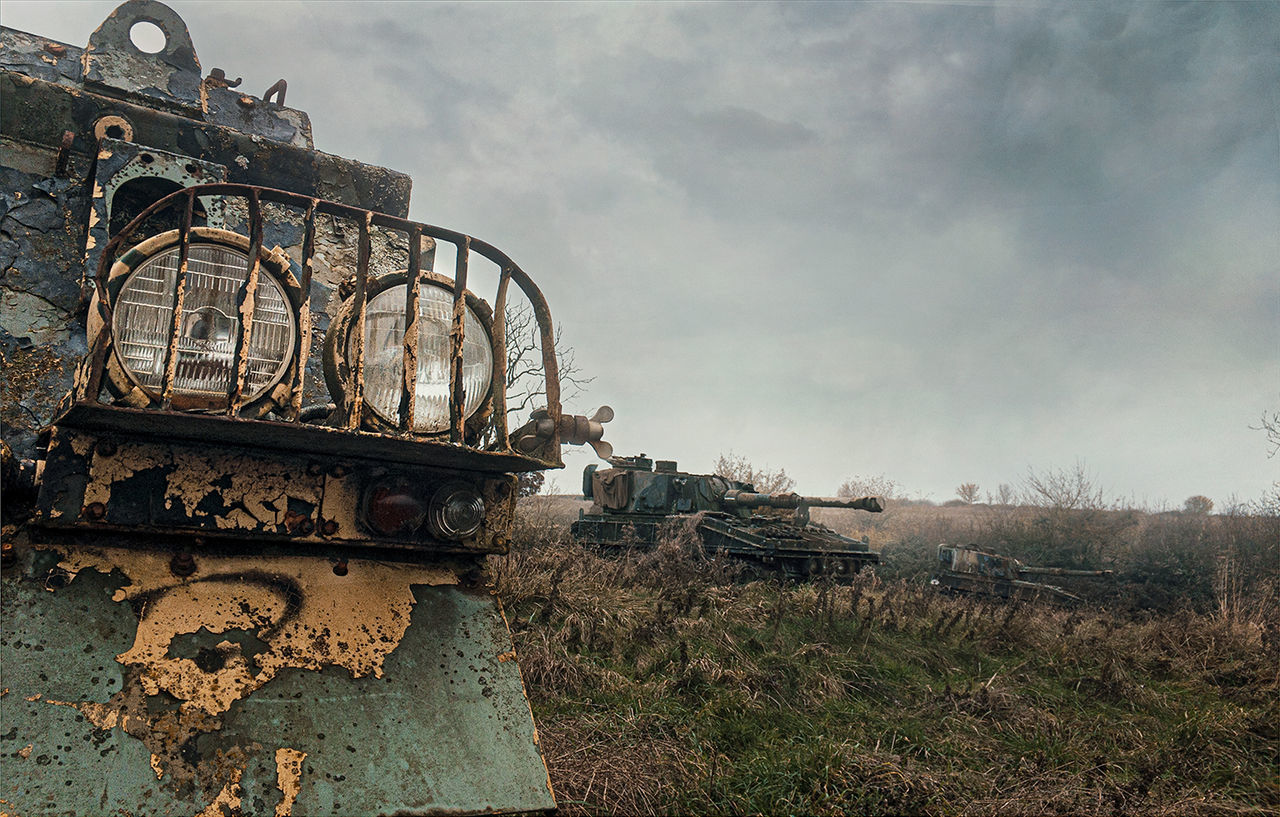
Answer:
(878, 485)
(764, 480)
(1063, 489)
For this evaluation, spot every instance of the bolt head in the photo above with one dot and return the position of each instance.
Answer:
(182, 564)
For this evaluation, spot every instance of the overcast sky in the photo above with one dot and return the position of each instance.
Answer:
(940, 241)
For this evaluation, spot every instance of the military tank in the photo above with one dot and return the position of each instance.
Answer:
(966, 569)
(636, 496)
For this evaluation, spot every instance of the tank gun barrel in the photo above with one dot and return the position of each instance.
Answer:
(1059, 571)
(747, 499)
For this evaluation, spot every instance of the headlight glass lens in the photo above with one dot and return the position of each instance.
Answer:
(456, 512)
(143, 321)
(384, 357)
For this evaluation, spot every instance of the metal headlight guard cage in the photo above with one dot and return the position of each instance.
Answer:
(285, 398)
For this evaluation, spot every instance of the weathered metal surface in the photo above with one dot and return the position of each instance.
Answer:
(169, 77)
(633, 501)
(259, 684)
(198, 614)
(45, 216)
(274, 435)
(130, 483)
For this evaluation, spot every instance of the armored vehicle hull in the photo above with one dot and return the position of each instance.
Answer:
(965, 569)
(633, 505)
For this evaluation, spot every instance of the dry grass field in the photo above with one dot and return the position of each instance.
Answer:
(668, 683)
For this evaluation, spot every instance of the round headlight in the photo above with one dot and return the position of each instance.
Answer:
(384, 357)
(143, 319)
(455, 512)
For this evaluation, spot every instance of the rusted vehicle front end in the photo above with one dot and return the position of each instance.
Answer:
(243, 555)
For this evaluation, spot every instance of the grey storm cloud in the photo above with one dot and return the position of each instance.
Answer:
(942, 241)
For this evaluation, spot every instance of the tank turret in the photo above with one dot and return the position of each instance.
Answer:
(636, 495)
(965, 569)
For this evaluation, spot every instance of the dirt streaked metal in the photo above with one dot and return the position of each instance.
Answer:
(200, 615)
(266, 684)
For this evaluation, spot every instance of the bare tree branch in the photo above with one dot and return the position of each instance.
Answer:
(762, 479)
(1270, 424)
(968, 492)
(526, 383)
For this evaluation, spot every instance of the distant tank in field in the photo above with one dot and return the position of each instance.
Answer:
(965, 569)
(636, 496)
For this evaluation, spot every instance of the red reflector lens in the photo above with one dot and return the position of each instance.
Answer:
(392, 510)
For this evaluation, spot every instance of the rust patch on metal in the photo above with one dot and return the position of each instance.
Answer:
(295, 610)
(227, 801)
(288, 778)
(307, 618)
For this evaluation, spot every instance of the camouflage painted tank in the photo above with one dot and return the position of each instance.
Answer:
(636, 497)
(241, 563)
(965, 569)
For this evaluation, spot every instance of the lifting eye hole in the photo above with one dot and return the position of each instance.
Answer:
(147, 37)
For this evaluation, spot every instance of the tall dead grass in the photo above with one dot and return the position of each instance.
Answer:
(667, 682)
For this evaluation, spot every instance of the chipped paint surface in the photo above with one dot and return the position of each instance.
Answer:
(288, 776)
(198, 488)
(193, 622)
(257, 680)
(288, 613)
(227, 801)
(353, 621)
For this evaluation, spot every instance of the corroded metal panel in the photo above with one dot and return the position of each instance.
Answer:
(93, 482)
(259, 684)
(198, 615)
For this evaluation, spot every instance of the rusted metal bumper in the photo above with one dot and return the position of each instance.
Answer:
(263, 684)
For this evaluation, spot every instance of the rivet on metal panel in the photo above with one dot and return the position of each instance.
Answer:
(329, 527)
(95, 511)
(8, 556)
(182, 564)
(340, 568)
